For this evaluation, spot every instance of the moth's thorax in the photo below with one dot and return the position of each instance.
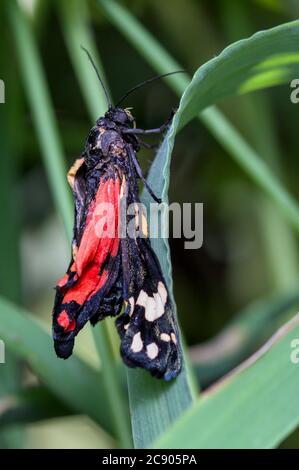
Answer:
(105, 141)
(107, 138)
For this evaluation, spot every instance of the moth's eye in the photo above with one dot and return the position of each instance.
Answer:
(123, 118)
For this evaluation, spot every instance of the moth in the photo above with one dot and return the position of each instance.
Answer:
(109, 274)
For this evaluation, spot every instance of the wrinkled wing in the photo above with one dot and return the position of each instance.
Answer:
(91, 288)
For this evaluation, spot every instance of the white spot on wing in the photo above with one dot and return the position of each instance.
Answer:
(165, 337)
(162, 292)
(173, 337)
(150, 309)
(152, 350)
(142, 299)
(154, 306)
(137, 343)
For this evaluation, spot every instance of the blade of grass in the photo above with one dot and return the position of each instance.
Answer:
(74, 23)
(255, 406)
(10, 282)
(241, 337)
(212, 118)
(31, 405)
(73, 382)
(251, 163)
(74, 18)
(145, 43)
(39, 99)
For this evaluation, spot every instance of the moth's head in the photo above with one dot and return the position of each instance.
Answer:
(120, 116)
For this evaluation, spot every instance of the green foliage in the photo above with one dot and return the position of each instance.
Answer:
(73, 382)
(248, 409)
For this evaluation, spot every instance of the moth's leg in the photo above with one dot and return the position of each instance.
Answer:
(136, 131)
(132, 155)
(158, 130)
(148, 146)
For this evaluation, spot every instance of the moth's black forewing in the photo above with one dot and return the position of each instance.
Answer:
(147, 342)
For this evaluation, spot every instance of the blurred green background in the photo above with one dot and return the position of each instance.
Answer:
(249, 251)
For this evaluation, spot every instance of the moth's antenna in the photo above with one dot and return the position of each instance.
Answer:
(98, 75)
(146, 82)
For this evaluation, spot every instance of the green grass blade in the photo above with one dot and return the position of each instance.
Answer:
(204, 95)
(10, 278)
(155, 405)
(238, 68)
(254, 407)
(75, 27)
(10, 282)
(240, 338)
(252, 164)
(72, 381)
(30, 406)
(116, 394)
(145, 43)
(40, 103)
